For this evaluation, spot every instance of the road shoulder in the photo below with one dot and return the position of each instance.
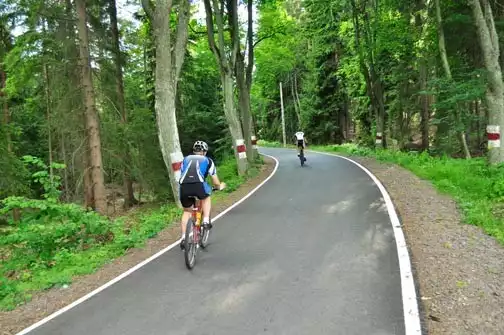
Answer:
(459, 269)
(48, 302)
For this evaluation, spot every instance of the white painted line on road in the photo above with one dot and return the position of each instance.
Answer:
(141, 264)
(410, 303)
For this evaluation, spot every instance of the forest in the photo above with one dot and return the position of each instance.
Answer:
(102, 98)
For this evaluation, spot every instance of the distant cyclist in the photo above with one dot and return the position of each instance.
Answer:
(301, 141)
(195, 169)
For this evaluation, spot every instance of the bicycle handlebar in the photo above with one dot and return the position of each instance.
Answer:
(217, 188)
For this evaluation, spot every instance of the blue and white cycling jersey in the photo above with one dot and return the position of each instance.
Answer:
(195, 169)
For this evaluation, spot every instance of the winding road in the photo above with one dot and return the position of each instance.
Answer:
(311, 252)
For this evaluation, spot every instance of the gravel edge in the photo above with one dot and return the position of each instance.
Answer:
(47, 302)
(459, 270)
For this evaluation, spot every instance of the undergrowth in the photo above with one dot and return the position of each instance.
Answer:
(477, 187)
(53, 242)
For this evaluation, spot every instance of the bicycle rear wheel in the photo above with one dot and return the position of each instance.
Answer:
(301, 157)
(190, 245)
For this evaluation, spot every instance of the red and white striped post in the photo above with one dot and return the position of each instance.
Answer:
(379, 138)
(176, 158)
(253, 139)
(241, 149)
(493, 135)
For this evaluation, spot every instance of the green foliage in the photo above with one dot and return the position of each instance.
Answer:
(50, 183)
(15, 177)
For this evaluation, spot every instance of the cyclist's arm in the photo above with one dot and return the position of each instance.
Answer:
(182, 168)
(212, 171)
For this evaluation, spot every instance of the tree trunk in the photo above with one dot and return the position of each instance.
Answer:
(92, 123)
(5, 105)
(66, 184)
(89, 201)
(380, 110)
(297, 102)
(364, 117)
(485, 28)
(244, 106)
(48, 117)
(248, 78)
(425, 108)
(227, 60)
(129, 197)
(478, 121)
(296, 107)
(376, 82)
(425, 111)
(233, 122)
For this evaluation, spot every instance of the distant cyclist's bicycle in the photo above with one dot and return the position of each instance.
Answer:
(301, 156)
(196, 234)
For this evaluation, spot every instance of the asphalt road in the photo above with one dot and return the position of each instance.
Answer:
(311, 252)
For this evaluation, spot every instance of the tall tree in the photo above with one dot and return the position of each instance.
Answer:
(92, 123)
(169, 60)
(5, 46)
(244, 83)
(448, 73)
(226, 57)
(489, 42)
(129, 198)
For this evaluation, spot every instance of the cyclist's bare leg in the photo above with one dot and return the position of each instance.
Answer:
(185, 218)
(206, 206)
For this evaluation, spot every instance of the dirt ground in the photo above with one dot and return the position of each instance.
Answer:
(459, 270)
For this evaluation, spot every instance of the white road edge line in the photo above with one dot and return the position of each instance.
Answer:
(143, 263)
(412, 323)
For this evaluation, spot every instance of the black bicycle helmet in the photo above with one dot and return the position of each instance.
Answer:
(200, 146)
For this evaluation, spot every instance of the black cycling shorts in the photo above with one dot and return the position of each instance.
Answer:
(188, 191)
(300, 143)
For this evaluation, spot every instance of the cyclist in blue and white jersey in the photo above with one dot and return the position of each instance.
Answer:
(195, 169)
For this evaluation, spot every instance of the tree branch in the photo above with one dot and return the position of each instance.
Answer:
(489, 18)
(181, 38)
(220, 33)
(148, 9)
(251, 46)
(267, 36)
(197, 32)
(211, 33)
(235, 38)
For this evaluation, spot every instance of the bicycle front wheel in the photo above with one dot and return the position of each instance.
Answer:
(190, 245)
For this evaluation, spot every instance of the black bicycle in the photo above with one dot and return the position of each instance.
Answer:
(301, 156)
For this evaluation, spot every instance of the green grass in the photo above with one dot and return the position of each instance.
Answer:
(52, 245)
(477, 187)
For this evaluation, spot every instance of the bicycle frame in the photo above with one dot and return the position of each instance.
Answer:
(301, 156)
(196, 216)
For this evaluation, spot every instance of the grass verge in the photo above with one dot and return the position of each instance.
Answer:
(55, 242)
(477, 187)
